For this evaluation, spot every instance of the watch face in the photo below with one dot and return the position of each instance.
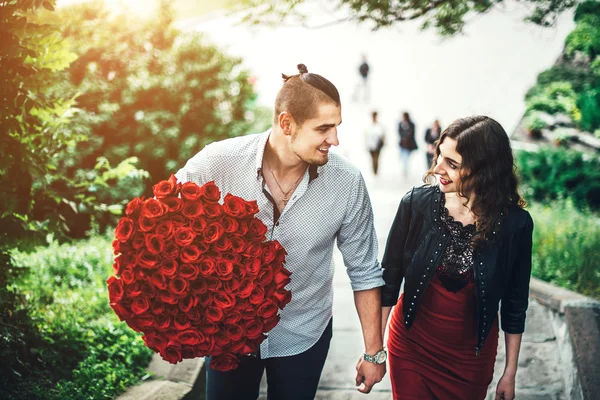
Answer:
(381, 357)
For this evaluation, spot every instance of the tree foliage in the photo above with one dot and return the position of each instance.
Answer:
(447, 17)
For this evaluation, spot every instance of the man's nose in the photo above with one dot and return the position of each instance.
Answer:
(332, 139)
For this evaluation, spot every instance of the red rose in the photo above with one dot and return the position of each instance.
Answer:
(210, 192)
(147, 290)
(229, 224)
(253, 266)
(173, 204)
(267, 309)
(202, 246)
(205, 348)
(233, 257)
(125, 229)
(140, 305)
(251, 207)
(188, 351)
(283, 297)
(213, 232)
(234, 206)
(233, 317)
(268, 252)
(186, 304)
(153, 208)
(179, 287)
(168, 267)
(157, 307)
(234, 332)
(223, 244)
(223, 300)
(254, 329)
(209, 329)
(171, 353)
(243, 228)
(138, 240)
(190, 254)
(162, 321)
(119, 265)
(119, 247)
(167, 297)
(122, 312)
(145, 259)
(281, 253)
(265, 276)
(192, 209)
(171, 251)
(154, 341)
(254, 249)
(190, 191)
(194, 315)
(132, 290)
(238, 244)
(213, 210)
(164, 189)
(134, 206)
(270, 323)
(155, 244)
(224, 269)
(190, 337)
(221, 339)
(235, 347)
(189, 271)
(257, 229)
(257, 296)
(248, 348)
(146, 224)
(224, 362)
(181, 322)
(239, 271)
(178, 220)
(205, 298)
(245, 289)
(159, 281)
(199, 286)
(184, 236)
(165, 230)
(127, 276)
(115, 289)
(214, 314)
(282, 278)
(231, 286)
(207, 266)
(199, 224)
(213, 283)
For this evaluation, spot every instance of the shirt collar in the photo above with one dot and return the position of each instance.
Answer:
(313, 170)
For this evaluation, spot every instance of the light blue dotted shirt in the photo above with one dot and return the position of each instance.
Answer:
(331, 204)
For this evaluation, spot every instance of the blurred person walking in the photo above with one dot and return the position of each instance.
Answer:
(406, 131)
(431, 135)
(362, 84)
(375, 139)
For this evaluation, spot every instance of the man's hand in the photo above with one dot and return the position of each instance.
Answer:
(368, 374)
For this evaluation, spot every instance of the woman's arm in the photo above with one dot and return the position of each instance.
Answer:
(506, 385)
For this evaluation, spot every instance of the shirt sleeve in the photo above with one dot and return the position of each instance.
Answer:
(357, 240)
(197, 169)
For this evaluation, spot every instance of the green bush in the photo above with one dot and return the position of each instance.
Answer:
(554, 173)
(84, 351)
(578, 78)
(566, 247)
(586, 8)
(585, 38)
(556, 97)
(589, 104)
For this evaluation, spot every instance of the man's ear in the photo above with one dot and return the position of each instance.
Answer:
(286, 123)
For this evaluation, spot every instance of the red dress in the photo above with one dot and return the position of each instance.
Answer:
(435, 358)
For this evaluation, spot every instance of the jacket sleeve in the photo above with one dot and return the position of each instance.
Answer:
(393, 270)
(516, 297)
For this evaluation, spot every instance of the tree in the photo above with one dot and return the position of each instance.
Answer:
(446, 16)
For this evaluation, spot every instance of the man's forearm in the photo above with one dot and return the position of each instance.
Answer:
(368, 306)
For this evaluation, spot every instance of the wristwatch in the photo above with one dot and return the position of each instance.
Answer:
(379, 358)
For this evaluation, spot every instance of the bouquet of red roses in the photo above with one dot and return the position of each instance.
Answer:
(196, 277)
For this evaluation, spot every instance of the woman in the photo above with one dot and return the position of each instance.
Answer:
(461, 246)
(375, 138)
(406, 131)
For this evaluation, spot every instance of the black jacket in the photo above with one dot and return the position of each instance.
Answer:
(502, 265)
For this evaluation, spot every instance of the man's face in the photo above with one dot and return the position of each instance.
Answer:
(311, 141)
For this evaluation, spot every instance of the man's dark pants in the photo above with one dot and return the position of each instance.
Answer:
(288, 378)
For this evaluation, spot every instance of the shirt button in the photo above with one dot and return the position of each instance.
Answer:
(277, 224)
(481, 263)
(415, 296)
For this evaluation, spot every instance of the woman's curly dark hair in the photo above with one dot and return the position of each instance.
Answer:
(487, 170)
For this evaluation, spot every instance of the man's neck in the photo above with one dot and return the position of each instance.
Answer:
(279, 157)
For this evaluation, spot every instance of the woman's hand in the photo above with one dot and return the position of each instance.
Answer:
(506, 388)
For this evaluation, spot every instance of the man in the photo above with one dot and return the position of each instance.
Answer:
(362, 84)
(375, 139)
(308, 198)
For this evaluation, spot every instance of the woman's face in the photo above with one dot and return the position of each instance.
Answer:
(447, 167)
